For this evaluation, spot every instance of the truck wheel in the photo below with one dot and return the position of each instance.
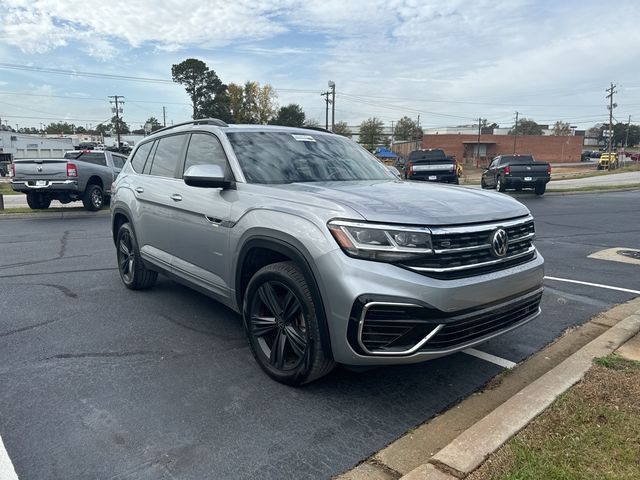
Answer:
(540, 189)
(133, 273)
(483, 184)
(93, 198)
(282, 326)
(500, 186)
(38, 201)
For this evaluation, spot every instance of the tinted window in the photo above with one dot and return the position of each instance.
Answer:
(140, 157)
(167, 155)
(205, 150)
(94, 158)
(281, 157)
(427, 155)
(118, 161)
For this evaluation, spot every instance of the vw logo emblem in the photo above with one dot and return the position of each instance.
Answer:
(499, 243)
(39, 169)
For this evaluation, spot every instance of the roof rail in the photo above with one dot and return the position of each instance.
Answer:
(317, 129)
(199, 121)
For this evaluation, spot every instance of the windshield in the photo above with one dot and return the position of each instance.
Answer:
(284, 157)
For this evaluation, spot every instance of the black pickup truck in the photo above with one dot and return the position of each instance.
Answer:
(516, 172)
(432, 166)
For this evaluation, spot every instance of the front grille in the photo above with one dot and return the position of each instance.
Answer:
(467, 329)
(466, 251)
(402, 329)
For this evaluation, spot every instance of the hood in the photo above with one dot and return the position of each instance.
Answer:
(414, 203)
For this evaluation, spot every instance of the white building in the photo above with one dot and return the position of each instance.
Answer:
(22, 145)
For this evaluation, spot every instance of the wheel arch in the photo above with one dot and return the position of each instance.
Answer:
(275, 250)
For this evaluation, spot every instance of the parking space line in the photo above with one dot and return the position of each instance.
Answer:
(503, 362)
(599, 285)
(7, 472)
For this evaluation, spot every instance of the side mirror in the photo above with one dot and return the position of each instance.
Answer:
(206, 176)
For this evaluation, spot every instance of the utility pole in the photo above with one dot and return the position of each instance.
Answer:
(418, 140)
(612, 105)
(392, 132)
(515, 133)
(164, 116)
(626, 142)
(326, 110)
(118, 100)
(478, 145)
(332, 86)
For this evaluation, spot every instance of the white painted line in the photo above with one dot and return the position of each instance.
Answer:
(599, 285)
(7, 472)
(503, 362)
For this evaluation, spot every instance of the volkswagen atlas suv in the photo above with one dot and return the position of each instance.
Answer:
(328, 256)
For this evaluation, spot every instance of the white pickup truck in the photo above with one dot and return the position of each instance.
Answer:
(84, 175)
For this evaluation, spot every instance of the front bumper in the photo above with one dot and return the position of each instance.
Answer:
(512, 294)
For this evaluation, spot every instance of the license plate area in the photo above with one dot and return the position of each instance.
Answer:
(528, 179)
(41, 183)
(433, 177)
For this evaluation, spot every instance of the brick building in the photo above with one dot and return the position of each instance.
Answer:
(545, 148)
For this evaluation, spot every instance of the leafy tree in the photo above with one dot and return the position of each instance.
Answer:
(121, 125)
(526, 126)
(80, 129)
(371, 132)
(289, 116)
(620, 134)
(341, 128)
(562, 129)
(59, 127)
(154, 122)
(103, 128)
(407, 129)
(201, 83)
(236, 102)
(265, 103)
(312, 122)
(595, 131)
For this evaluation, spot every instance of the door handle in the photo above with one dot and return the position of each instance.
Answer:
(176, 197)
(139, 190)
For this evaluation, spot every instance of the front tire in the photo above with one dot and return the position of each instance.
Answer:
(38, 201)
(93, 198)
(133, 273)
(281, 322)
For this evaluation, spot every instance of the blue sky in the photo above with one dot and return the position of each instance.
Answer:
(449, 61)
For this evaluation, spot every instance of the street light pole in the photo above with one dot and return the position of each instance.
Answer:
(332, 86)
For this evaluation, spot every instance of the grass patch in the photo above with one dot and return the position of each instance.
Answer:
(591, 432)
(5, 189)
(48, 210)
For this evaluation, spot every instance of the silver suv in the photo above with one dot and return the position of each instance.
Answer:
(328, 256)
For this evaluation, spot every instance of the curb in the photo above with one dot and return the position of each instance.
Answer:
(471, 448)
(71, 214)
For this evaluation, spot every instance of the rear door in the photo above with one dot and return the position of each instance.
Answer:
(39, 170)
(201, 239)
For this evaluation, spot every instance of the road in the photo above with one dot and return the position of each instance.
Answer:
(102, 382)
(626, 178)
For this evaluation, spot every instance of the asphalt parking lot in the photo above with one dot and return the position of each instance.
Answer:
(97, 381)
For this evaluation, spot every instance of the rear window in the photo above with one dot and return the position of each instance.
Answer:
(89, 157)
(516, 159)
(427, 155)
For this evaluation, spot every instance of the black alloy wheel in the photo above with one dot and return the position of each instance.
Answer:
(281, 321)
(132, 270)
(279, 325)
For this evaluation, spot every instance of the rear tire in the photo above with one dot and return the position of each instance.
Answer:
(281, 322)
(483, 184)
(133, 272)
(93, 198)
(500, 186)
(540, 189)
(38, 201)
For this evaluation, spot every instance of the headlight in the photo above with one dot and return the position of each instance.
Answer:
(384, 243)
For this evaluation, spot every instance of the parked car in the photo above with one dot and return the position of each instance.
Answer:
(586, 156)
(431, 165)
(516, 172)
(635, 156)
(328, 256)
(87, 145)
(608, 161)
(595, 154)
(84, 175)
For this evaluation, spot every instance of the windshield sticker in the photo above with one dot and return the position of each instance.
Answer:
(303, 138)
